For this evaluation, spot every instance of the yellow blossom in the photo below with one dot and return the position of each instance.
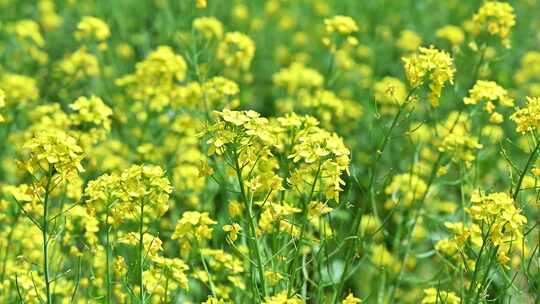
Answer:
(351, 299)
(79, 64)
(433, 296)
(409, 41)
(339, 30)
(200, 3)
(297, 77)
(56, 151)
(92, 28)
(527, 118)
(496, 18)
(430, 66)
(233, 230)
(390, 91)
(340, 24)
(236, 50)
(209, 27)
(19, 89)
(488, 91)
(452, 33)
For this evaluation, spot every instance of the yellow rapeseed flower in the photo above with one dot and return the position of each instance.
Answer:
(233, 230)
(496, 18)
(454, 34)
(209, 27)
(351, 299)
(433, 296)
(430, 66)
(92, 28)
(19, 89)
(236, 50)
(527, 118)
(54, 149)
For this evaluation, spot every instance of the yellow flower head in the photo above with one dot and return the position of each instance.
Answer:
(456, 139)
(19, 89)
(383, 258)
(156, 78)
(146, 184)
(91, 110)
(102, 193)
(194, 225)
(406, 189)
(92, 28)
(454, 34)
(501, 218)
(433, 296)
(489, 92)
(283, 298)
(208, 27)
(233, 230)
(339, 29)
(343, 25)
(152, 244)
(27, 30)
(200, 4)
(49, 19)
(79, 64)
(174, 268)
(430, 66)
(351, 299)
(54, 149)
(409, 41)
(236, 50)
(297, 77)
(496, 18)
(528, 75)
(390, 91)
(527, 118)
(221, 92)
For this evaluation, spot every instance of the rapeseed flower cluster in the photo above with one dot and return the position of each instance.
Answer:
(451, 33)
(53, 153)
(340, 31)
(495, 18)
(209, 27)
(432, 67)
(236, 51)
(505, 221)
(389, 92)
(526, 118)
(489, 92)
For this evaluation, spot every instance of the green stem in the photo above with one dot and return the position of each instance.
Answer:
(478, 261)
(166, 294)
(531, 159)
(430, 182)
(356, 222)
(107, 257)
(251, 223)
(410, 231)
(210, 281)
(45, 236)
(292, 269)
(141, 251)
(486, 275)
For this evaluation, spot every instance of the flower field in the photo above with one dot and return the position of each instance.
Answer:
(275, 152)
